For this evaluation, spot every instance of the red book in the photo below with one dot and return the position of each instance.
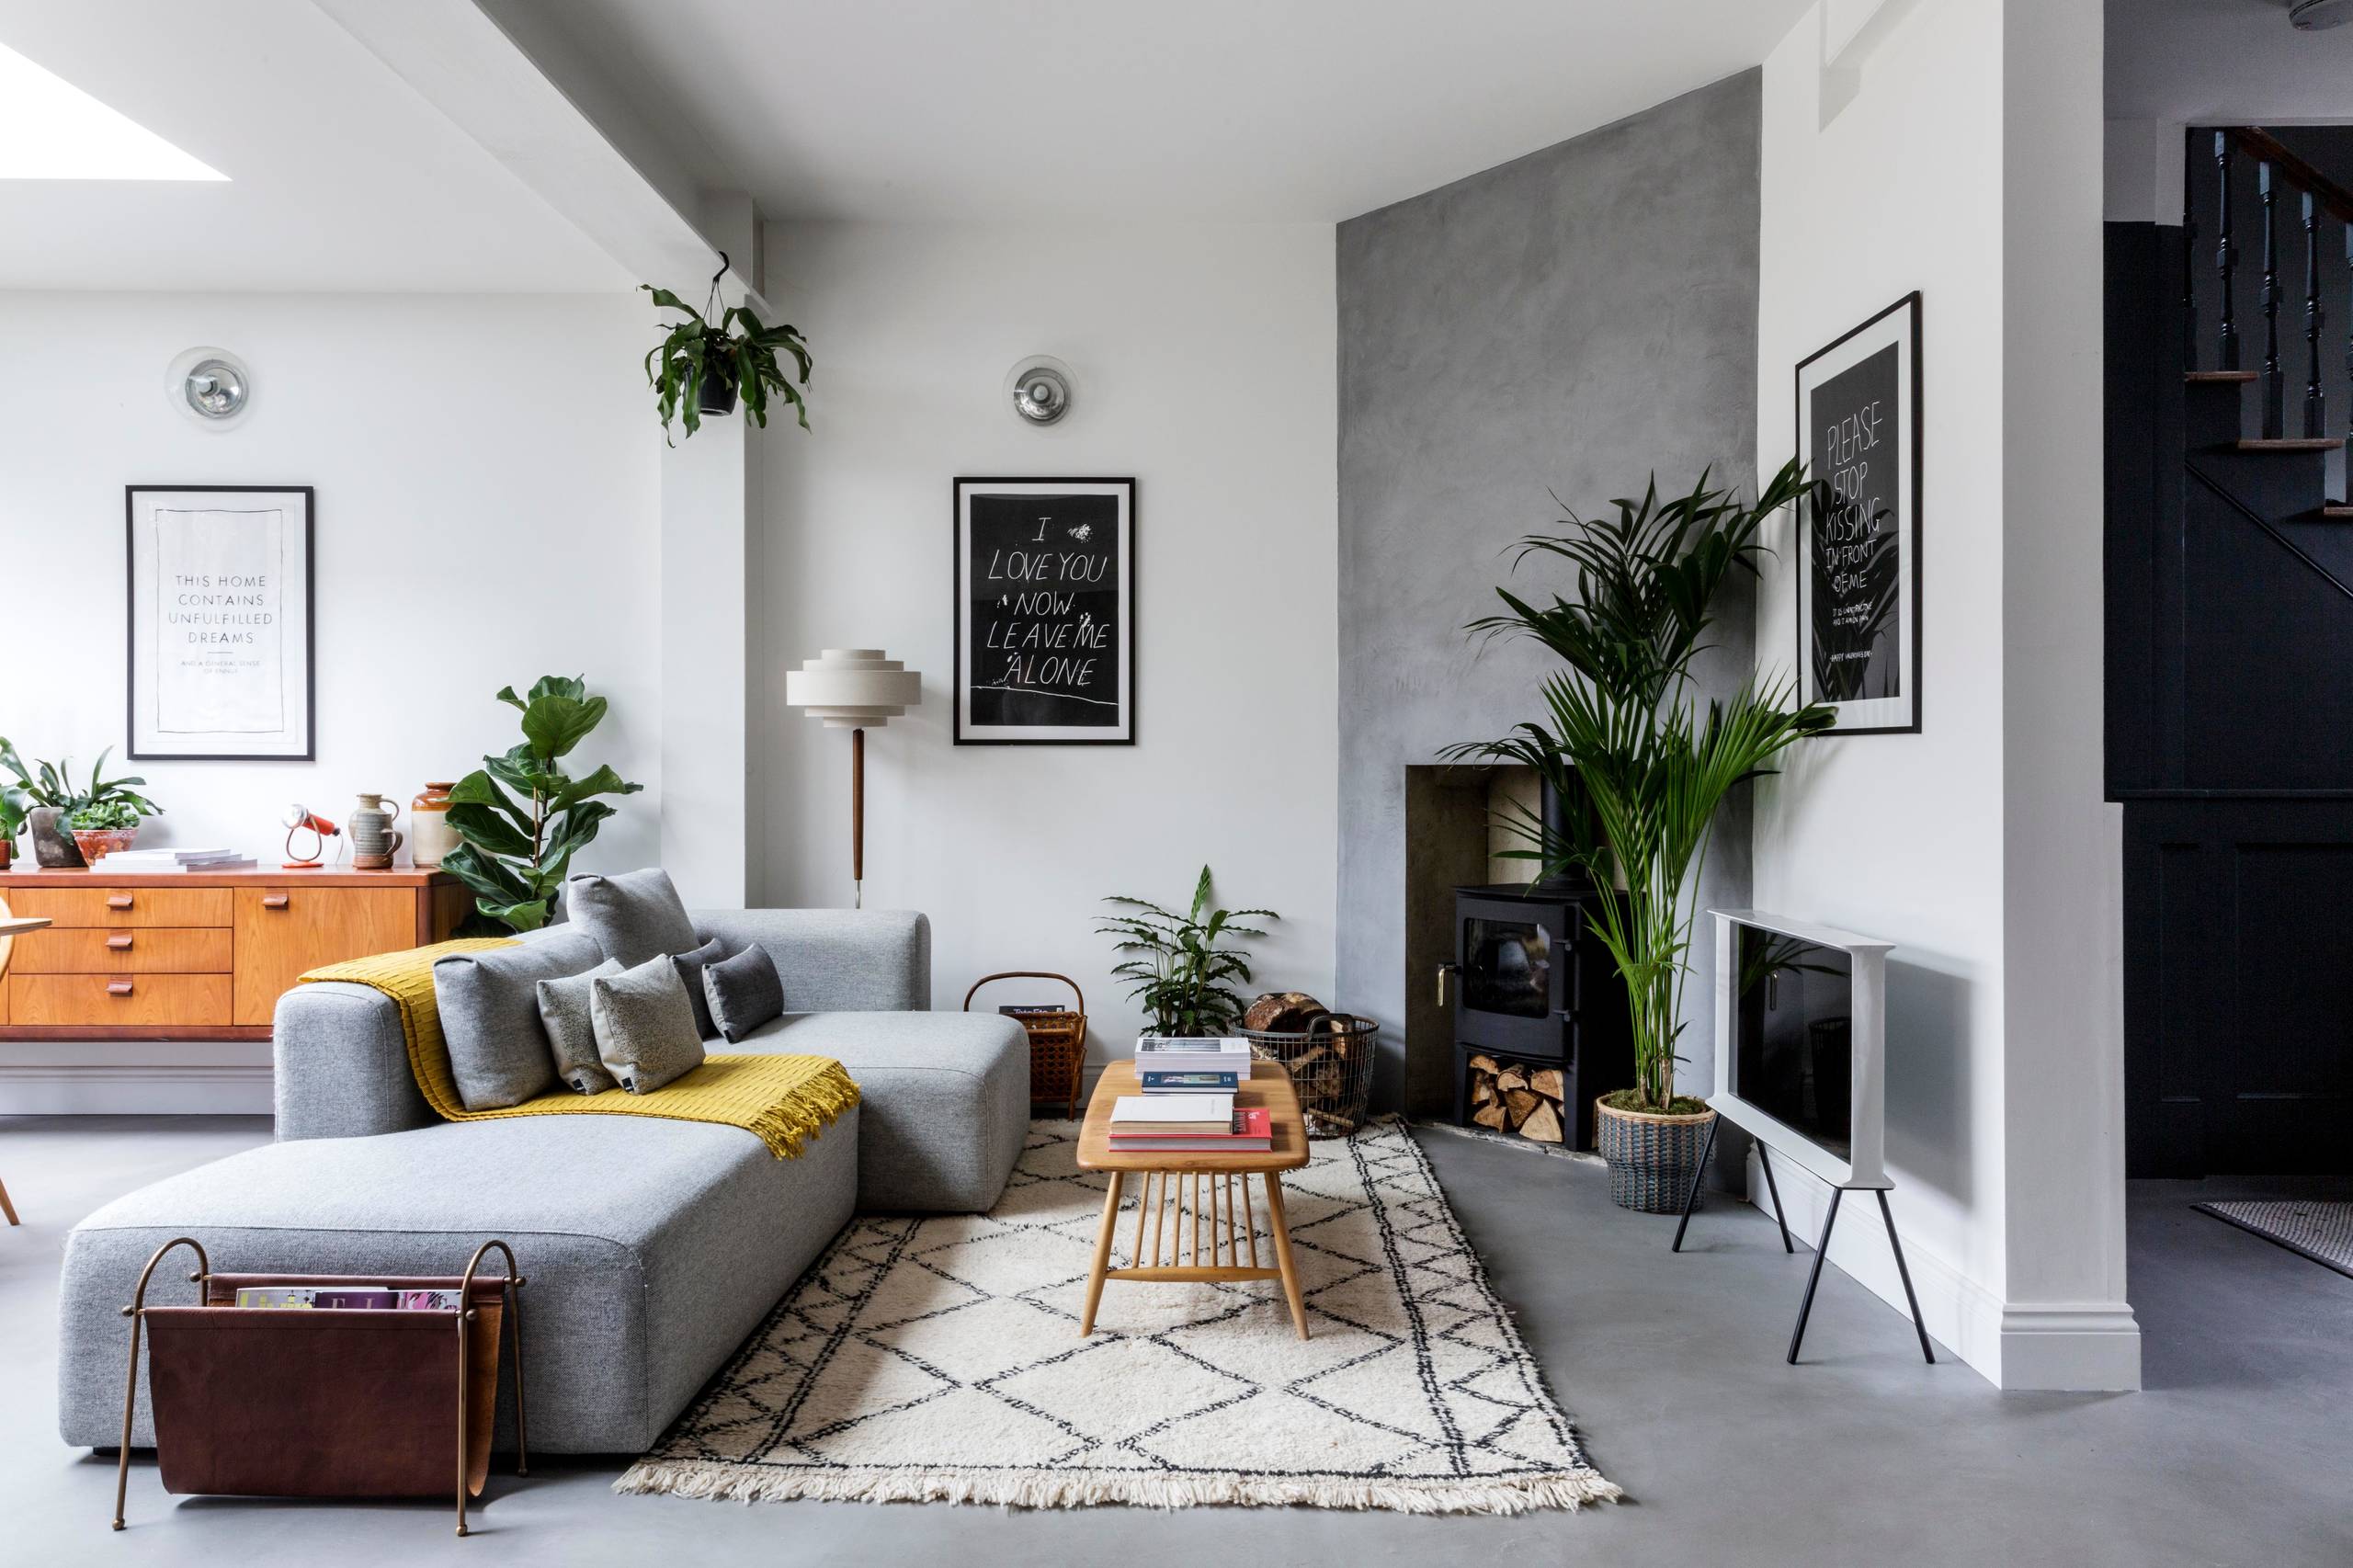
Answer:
(1253, 1132)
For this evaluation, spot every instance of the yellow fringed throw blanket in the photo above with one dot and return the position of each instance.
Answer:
(780, 1101)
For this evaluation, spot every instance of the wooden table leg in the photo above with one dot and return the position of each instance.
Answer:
(1281, 1223)
(6, 1207)
(1102, 1254)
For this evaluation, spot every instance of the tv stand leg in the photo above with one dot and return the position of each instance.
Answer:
(1813, 1277)
(1699, 1175)
(1765, 1163)
(1905, 1275)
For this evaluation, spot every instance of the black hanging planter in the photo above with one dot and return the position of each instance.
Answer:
(715, 395)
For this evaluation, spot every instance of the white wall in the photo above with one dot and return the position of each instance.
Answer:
(1920, 181)
(1205, 366)
(486, 479)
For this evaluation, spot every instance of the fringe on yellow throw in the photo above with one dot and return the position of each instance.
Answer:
(780, 1101)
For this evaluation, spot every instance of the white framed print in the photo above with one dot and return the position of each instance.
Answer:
(1858, 577)
(1045, 612)
(219, 624)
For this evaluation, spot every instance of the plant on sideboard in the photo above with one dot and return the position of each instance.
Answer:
(704, 362)
(1627, 733)
(46, 799)
(521, 817)
(1180, 963)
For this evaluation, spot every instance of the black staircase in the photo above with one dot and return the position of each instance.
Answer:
(2230, 673)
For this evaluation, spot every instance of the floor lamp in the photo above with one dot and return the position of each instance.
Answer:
(850, 688)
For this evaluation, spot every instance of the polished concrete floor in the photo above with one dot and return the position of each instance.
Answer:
(2240, 1451)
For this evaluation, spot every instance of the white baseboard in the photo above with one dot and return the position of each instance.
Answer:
(2063, 1346)
(135, 1078)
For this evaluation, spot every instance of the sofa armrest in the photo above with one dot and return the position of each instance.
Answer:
(836, 961)
(342, 1064)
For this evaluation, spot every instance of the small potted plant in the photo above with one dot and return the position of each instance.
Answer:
(46, 797)
(1651, 758)
(102, 828)
(1181, 966)
(705, 362)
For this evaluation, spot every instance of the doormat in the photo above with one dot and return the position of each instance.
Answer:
(2319, 1229)
(938, 1357)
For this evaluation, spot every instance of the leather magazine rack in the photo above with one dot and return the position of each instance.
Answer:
(327, 1403)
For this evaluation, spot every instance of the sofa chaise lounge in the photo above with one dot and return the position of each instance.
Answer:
(653, 1247)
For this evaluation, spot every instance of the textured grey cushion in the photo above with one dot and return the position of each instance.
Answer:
(642, 1280)
(944, 1100)
(645, 1025)
(690, 968)
(490, 1016)
(634, 917)
(743, 992)
(572, 1032)
(342, 1068)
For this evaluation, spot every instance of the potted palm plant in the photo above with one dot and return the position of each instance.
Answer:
(705, 362)
(1627, 736)
(1180, 963)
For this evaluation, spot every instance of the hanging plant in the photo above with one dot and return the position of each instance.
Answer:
(713, 357)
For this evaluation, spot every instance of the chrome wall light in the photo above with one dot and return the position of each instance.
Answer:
(1041, 388)
(211, 386)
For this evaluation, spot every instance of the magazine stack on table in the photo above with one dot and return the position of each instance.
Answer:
(1172, 1064)
(1194, 1123)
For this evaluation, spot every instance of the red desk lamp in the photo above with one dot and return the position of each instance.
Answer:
(300, 819)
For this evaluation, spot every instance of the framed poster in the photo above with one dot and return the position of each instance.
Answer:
(1045, 612)
(220, 622)
(1858, 580)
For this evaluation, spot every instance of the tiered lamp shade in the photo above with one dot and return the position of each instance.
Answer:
(853, 688)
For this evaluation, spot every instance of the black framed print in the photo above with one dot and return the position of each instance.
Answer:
(1045, 612)
(220, 622)
(1858, 577)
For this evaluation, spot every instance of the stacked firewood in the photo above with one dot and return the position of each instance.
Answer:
(1330, 1057)
(1511, 1097)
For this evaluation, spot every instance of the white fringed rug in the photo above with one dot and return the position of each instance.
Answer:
(938, 1359)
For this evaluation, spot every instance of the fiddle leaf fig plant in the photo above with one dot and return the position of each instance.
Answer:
(521, 817)
(705, 362)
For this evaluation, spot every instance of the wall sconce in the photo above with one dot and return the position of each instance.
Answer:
(211, 386)
(1041, 388)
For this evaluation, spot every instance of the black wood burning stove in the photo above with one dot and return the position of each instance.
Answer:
(1532, 987)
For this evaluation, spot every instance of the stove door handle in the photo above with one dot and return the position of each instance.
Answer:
(1443, 970)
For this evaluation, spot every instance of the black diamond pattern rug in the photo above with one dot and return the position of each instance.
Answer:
(2319, 1228)
(938, 1357)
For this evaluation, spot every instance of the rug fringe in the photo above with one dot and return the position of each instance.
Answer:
(711, 1480)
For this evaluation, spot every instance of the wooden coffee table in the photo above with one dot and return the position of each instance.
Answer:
(1199, 1192)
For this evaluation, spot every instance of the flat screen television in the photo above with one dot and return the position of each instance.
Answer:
(1800, 1027)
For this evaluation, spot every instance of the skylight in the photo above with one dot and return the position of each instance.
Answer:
(50, 128)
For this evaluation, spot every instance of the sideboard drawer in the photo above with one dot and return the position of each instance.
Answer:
(83, 1001)
(103, 906)
(282, 931)
(146, 949)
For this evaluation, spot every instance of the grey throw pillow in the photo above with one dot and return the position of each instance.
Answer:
(645, 1025)
(690, 972)
(634, 917)
(743, 992)
(572, 1033)
(490, 1016)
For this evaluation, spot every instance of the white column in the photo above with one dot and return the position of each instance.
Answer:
(707, 493)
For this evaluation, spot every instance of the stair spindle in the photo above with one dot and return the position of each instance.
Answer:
(2274, 380)
(2189, 254)
(2349, 368)
(2225, 252)
(2315, 398)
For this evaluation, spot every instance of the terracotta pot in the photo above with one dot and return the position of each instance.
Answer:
(430, 836)
(95, 844)
(53, 850)
(8, 849)
(1652, 1157)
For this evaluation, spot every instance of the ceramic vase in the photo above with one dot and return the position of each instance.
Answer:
(53, 850)
(430, 836)
(373, 842)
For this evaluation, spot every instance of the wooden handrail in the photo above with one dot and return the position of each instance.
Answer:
(2257, 142)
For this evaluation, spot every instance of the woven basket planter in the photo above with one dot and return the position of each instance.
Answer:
(1652, 1157)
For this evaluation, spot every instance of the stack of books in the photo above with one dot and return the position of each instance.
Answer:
(1168, 1065)
(1151, 1123)
(148, 862)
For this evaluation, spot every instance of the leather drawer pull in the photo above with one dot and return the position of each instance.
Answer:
(118, 901)
(274, 901)
(117, 988)
(119, 944)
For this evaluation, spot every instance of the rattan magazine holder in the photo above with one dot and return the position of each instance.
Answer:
(330, 1403)
(1057, 1040)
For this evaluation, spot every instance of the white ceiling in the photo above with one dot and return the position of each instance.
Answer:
(1241, 110)
(339, 176)
(2219, 60)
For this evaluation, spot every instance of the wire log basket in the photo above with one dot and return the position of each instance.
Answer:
(1331, 1068)
(1057, 1040)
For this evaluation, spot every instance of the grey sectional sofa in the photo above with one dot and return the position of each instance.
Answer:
(653, 1247)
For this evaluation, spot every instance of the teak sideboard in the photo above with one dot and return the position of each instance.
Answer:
(198, 955)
